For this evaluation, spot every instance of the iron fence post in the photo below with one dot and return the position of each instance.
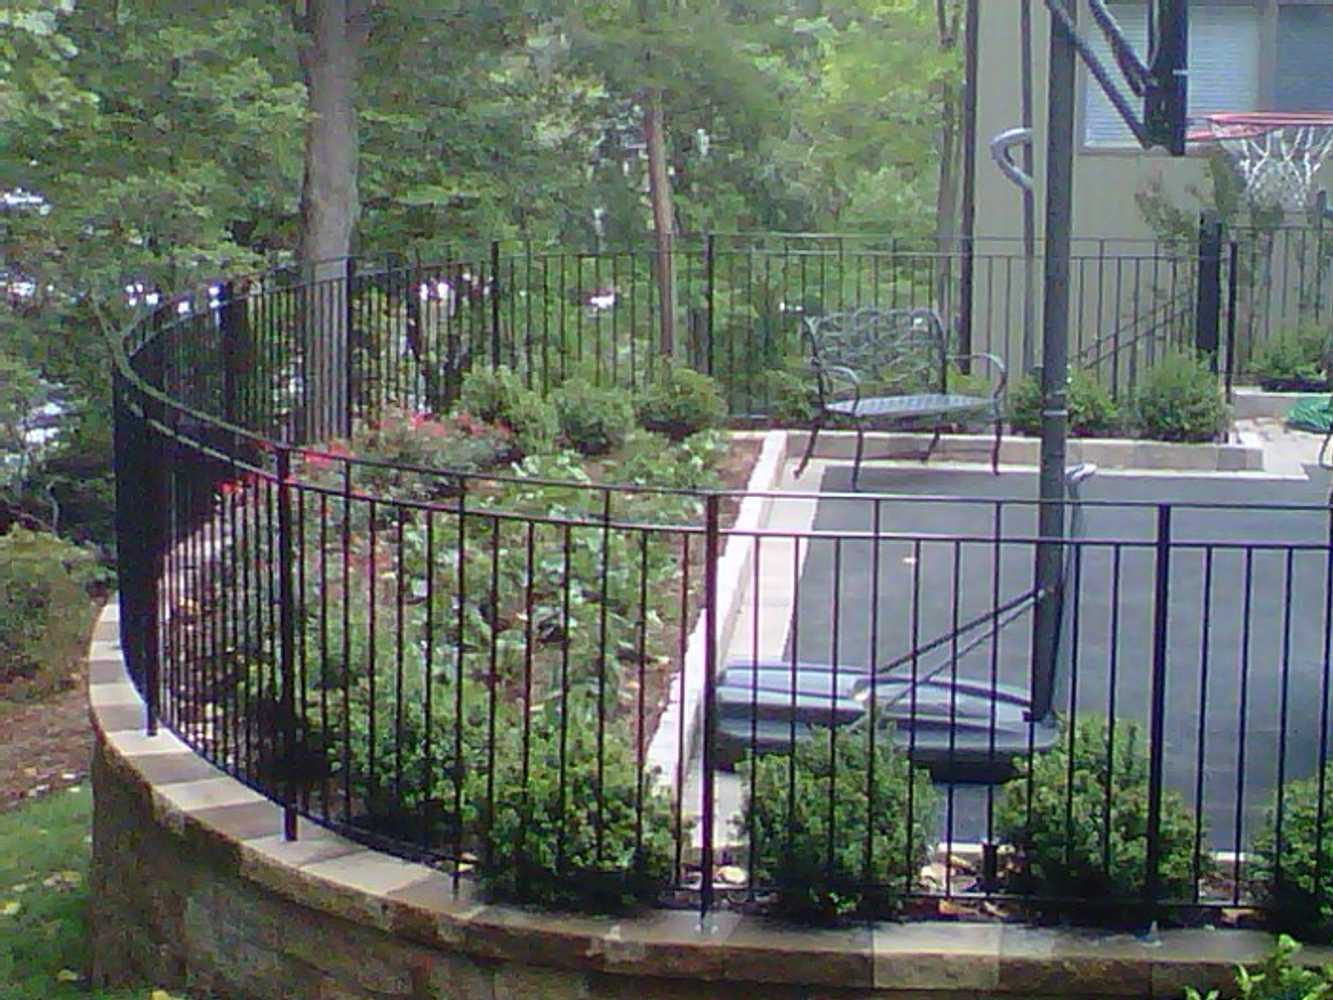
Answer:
(495, 304)
(711, 530)
(349, 362)
(1157, 722)
(1233, 285)
(287, 640)
(1208, 301)
(156, 537)
(709, 264)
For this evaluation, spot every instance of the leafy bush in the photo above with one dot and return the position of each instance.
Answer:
(547, 841)
(498, 396)
(859, 860)
(973, 383)
(793, 394)
(1179, 400)
(1092, 411)
(1289, 877)
(44, 608)
(593, 420)
(680, 402)
(460, 443)
(1279, 978)
(1293, 362)
(1068, 843)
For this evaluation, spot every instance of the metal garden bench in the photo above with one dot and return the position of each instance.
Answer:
(891, 366)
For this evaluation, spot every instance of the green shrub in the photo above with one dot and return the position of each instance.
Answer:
(593, 420)
(1061, 844)
(819, 865)
(1279, 978)
(973, 383)
(459, 443)
(1179, 400)
(793, 394)
(680, 402)
(1092, 411)
(498, 396)
(1293, 362)
(1290, 886)
(546, 843)
(44, 609)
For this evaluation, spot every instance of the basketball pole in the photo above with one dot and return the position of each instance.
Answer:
(1054, 362)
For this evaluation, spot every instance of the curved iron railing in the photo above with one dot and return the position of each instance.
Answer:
(416, 656)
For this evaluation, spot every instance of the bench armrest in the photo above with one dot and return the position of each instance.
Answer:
(829, 376)
(996, 364)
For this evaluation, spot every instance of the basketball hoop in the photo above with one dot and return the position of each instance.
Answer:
(1277, 153)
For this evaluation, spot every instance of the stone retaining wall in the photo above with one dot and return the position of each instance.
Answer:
(193, 887)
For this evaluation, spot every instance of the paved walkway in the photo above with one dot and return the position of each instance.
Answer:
(1243, 701)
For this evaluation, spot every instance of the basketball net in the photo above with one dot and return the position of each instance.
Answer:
(1277, 154)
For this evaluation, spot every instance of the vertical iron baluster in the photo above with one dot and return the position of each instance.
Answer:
(1243, 708)
(287, 614)
(711, 624)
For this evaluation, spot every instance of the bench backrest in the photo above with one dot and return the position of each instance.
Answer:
(896, 352)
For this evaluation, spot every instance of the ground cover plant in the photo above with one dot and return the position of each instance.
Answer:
(1078, 824)
(838, 829)
(441, 611)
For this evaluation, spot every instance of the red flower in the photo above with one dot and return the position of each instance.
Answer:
(326, 457)
(236, 488)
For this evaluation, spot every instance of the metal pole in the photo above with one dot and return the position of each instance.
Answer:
(1029, 193)
(966, 281)
(1055, 351)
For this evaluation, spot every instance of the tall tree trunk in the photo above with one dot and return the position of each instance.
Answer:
(664, 227)
(329, 207)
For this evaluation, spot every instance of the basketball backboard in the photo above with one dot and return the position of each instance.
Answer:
(1148, 89)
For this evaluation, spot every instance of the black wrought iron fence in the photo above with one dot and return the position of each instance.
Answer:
(622, 686)
(1279, 280)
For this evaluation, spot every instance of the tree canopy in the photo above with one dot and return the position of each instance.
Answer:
(148, 145)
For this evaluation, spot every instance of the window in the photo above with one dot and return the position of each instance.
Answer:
(1227, 70)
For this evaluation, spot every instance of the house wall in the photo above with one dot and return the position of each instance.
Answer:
(1131, 295)
(1105, 181)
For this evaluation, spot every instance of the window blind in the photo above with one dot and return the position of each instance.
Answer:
(1304, 72)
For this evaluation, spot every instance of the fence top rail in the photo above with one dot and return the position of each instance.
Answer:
(1032, 502)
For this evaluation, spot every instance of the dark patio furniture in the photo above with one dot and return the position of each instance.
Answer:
(891, 367)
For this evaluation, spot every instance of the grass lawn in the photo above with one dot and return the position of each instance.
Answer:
(44, 853)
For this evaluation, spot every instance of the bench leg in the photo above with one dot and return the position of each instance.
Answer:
(809, 447)
(995, 449)
(930, 448)
(860, 447)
